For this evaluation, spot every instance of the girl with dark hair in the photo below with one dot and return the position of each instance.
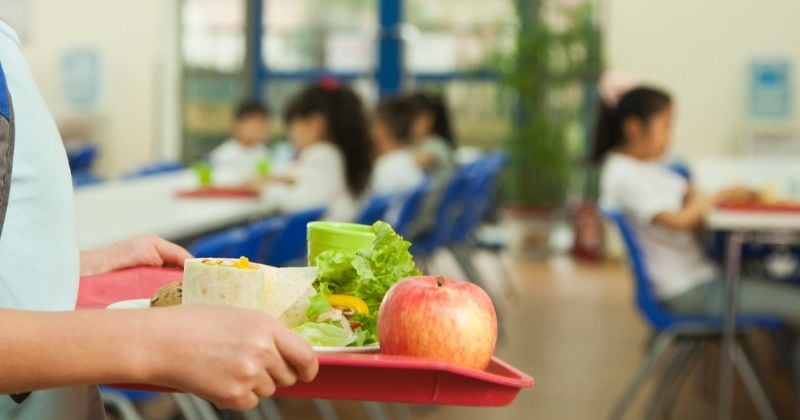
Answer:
(328, 127)
(631, 139)
(432, 134)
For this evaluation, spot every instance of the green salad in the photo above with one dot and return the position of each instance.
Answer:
(350, 286)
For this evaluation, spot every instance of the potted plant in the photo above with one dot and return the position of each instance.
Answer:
(556, 57)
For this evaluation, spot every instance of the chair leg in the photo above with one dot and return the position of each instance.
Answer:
(203, 408)
(399, 411)
(375, 410)
(510, 290)
(676, 361)
(753, 385)
(121, 403)
(463, 257)
(673, 390)
(269, 410)
(657, 349)
(326, 410)
(186, 406)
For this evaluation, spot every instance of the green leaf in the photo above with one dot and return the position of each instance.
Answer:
(323, 334)
(366, 273)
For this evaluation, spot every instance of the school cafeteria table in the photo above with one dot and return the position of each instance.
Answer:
(745, 226)
(120, 209)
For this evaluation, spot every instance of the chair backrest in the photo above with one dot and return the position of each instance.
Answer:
(681, 168)
(229, 243)
(81, 158)
(374, 209)
(481, 186)
(290, 244)
(154, 169)
(409, 207)
(452, 207)
(262, 235)
(646, 299)
(82, 179)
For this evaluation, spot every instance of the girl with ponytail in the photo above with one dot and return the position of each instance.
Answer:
(664, 209)
(327, 125)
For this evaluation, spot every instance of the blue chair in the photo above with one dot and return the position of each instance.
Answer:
(81, 158)
(253, 241)
(374, 209)
(687, 333)
(290, 244)
(681, 168)
(229, 243)
(84, 178)
(154, 169)
(452, 205)
(408, 206)
(481, 186)
(262, 235)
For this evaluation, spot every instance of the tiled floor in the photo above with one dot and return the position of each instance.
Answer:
(573, 327)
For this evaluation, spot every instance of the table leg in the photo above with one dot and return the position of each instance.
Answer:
(733, 264)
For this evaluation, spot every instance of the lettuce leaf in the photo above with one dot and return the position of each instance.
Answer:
(324, 334)
(365, 273)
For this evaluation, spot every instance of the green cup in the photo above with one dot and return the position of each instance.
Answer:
(323, 236)
(262, 167)
(203, 171)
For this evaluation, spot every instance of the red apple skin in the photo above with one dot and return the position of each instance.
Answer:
(438, 318)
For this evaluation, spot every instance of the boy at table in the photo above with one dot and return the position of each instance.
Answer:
(238, 160)
(229, 356)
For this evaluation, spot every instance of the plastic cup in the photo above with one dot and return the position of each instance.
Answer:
(203, 171)
(323, 236)
(262, 167)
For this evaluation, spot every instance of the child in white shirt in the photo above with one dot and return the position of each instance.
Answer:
(327, 126)
(664, 209)
(244, 157)
(396, 169)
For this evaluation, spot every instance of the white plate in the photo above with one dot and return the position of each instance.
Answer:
(130, 304)
(145, 303)
(373, 348)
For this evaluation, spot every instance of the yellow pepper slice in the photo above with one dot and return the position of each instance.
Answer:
(348, 301)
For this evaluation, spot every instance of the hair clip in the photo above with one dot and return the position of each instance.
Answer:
(329, 83)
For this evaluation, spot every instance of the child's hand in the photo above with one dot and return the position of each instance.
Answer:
(146, 250)
(227, 355)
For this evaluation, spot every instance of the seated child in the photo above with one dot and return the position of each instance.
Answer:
(664, 209)
(395, 168)
(432, 136)
(328, 128)
(242, 158)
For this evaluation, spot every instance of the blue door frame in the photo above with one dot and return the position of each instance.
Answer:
(390, 73)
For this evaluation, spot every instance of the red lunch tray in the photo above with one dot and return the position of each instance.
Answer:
(219, 192)
(343, 376)
(772, 208)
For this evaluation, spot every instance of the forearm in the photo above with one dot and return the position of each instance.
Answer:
(53, 349)
(687, 218)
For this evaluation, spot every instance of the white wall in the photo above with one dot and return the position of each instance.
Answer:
(700, 51)
(135, 40)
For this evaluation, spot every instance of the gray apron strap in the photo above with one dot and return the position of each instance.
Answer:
(6, 145)
(6, 163)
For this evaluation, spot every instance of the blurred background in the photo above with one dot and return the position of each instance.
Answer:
(137, 83)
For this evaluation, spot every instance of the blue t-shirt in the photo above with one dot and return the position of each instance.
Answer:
(39, 260)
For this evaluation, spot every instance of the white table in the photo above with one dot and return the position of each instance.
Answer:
(745, 226)
(120, 209)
